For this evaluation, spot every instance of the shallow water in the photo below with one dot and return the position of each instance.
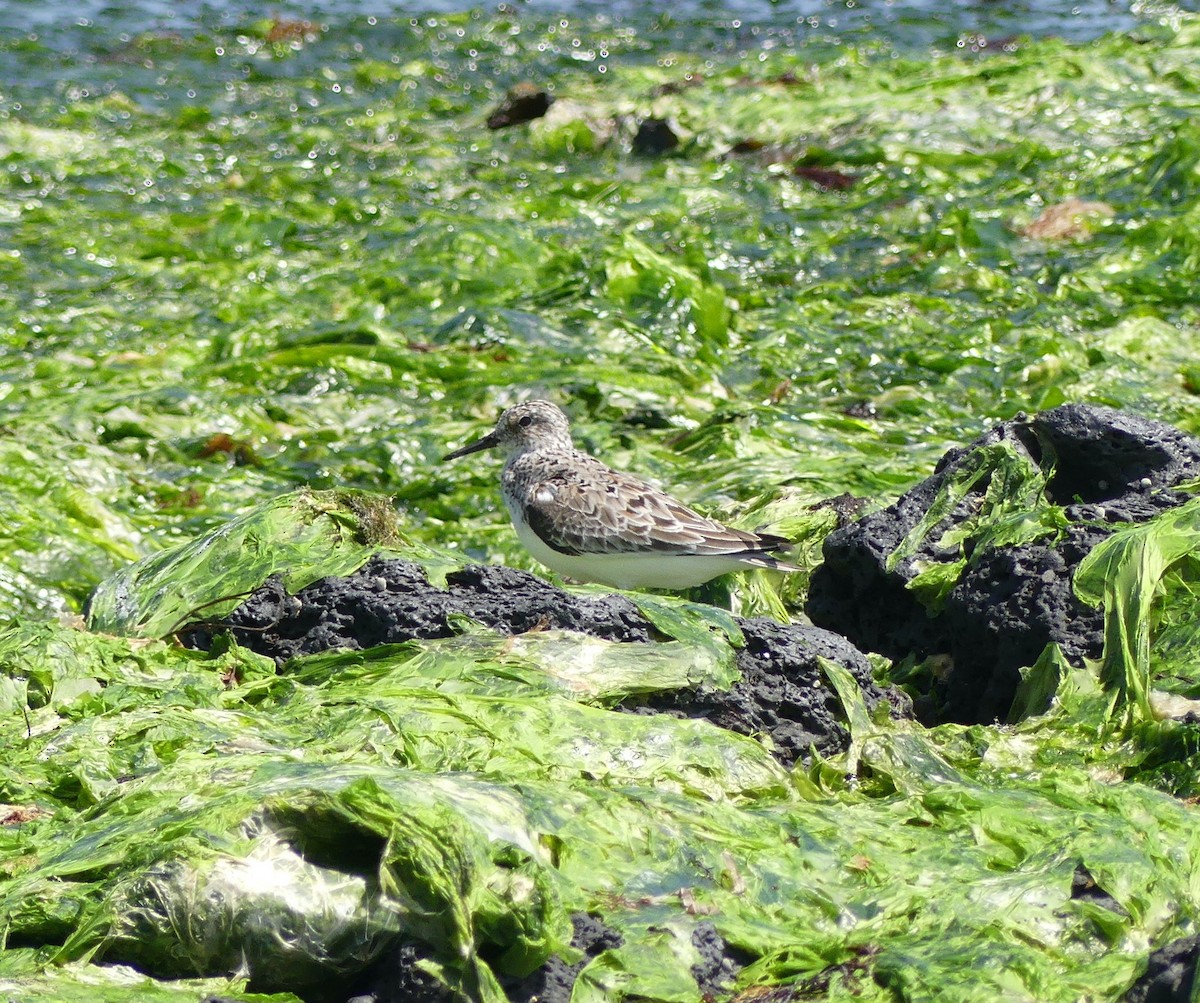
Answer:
(906, 23)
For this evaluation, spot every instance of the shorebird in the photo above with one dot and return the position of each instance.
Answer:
(595, 524)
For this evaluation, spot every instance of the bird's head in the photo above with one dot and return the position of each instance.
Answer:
(523, 428)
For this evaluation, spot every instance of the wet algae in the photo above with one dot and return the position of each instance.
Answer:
(249, 261)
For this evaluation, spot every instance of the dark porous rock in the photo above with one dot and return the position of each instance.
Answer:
(523, 103)
(1008, 602)
(397, 978)
(846, 507)
(1105, 467)
(389, 600)
(782, 694)
(719, 962)
(554, 981)
(1100, 455)
(654, 136)
(1170, 974)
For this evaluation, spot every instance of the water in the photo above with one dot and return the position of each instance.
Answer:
(92, 47)
(918, 22)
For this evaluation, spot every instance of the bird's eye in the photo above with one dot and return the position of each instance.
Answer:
(526, 421)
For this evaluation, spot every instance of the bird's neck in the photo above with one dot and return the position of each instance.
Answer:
(555, 444)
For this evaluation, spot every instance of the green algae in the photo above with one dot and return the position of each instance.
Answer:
(954, 844)
(309, 265)
(1010, 511)
(469, 793)
(1126, 572)
(297, 538)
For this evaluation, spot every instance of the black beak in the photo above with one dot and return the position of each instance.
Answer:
(487, 442)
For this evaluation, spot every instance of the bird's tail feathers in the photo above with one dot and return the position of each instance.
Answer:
(769, 541)
(772, 563)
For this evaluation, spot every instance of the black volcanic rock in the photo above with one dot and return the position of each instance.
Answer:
(389, 600)
(1170, 974)
(554, 981)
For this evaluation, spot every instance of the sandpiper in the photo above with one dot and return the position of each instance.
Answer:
(594, 524)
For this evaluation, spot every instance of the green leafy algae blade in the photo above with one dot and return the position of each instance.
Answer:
(300, 537)
(1010, 511)
(1126, 573)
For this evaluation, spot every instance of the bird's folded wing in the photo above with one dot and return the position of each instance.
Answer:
(618, 514)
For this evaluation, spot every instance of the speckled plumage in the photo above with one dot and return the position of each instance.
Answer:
(589, 522)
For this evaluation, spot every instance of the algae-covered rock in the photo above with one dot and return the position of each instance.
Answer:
(298, 536)
(976, 562)
(773, 684)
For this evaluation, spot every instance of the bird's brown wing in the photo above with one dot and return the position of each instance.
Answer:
(586, 508)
